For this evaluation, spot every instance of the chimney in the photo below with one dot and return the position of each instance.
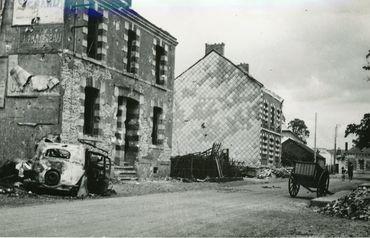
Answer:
(346, 146)
(219, 48)
(244, 67)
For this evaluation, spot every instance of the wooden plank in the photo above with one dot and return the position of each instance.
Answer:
(3, 77)
(305, 169)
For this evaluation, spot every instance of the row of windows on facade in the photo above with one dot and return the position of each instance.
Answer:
(91, 116)
(265, 113)
(271, 148)
(96, 18)
(269, 159)
(361, 164)
(265, 138)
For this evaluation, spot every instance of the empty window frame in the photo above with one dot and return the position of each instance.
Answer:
(130, 48)
(159, 52)
(157, 115)
(91, 107)
(57, 153)
(95, 18)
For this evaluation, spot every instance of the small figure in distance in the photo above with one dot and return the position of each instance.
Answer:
(350, 171)
(343, 173)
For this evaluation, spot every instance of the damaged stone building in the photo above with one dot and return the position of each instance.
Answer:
(86, 70)
(218, 101)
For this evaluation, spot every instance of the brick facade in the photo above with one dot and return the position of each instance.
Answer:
(218, 101)
(122, 110)
(272, 119)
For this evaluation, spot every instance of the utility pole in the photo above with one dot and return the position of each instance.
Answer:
(315, 150)
(335, 144)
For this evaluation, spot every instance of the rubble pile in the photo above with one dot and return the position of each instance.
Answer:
(15, 191)
(353, 206)
(282, 172)
(265, 174)
(277, 172)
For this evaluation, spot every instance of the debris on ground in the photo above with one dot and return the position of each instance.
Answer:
(353, 206)
(283, 172)
(265, 174)
(271, 186)
(277, 172)
(213, 163)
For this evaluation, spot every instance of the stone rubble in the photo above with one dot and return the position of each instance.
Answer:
(353, 206)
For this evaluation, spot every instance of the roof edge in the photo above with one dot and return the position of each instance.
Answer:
(228, 60)
(135, 16)
(272, 94)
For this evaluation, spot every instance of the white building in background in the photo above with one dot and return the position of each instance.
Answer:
(328, 155)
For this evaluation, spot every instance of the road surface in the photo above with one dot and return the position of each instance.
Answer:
(248, 210)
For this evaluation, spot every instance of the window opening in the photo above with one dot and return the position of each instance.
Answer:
(130, 49)
(158, 62)
(157, 112)
(58, 153)
(95, 18)
(91, 96)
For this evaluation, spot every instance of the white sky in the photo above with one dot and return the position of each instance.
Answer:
(310, 52)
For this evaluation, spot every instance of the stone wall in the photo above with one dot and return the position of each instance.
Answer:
(75, 76)
(29, 108)
(59, 51)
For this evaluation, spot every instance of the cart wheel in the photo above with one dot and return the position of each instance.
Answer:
(323, 184)
(293, 186)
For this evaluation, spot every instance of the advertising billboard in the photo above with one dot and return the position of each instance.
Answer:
(27, 12)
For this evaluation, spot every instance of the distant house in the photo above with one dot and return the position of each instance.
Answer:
(359, 158)
(219, 101)
(328, 155)
(296, 151)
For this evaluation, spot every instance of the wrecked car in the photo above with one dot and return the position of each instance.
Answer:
(69, 168)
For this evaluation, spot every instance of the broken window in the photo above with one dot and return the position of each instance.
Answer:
(130, 49)
(91, 109)
(157, 113)
(95, 18)
(159, 53)
(58, 153)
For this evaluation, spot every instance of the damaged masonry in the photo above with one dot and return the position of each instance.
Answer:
(95, 71)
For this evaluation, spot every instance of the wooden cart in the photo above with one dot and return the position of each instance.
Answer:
(310, 176)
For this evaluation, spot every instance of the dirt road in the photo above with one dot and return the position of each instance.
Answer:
(247, 210)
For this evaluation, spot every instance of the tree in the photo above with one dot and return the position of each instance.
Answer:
(299, 128)
(361, 131)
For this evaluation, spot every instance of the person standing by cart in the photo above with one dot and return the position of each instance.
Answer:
(343, 173)
(350, 171)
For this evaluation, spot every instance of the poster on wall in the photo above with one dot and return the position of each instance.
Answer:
(3, 76)
(27, 12)
(45, 38)
(29, 77)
